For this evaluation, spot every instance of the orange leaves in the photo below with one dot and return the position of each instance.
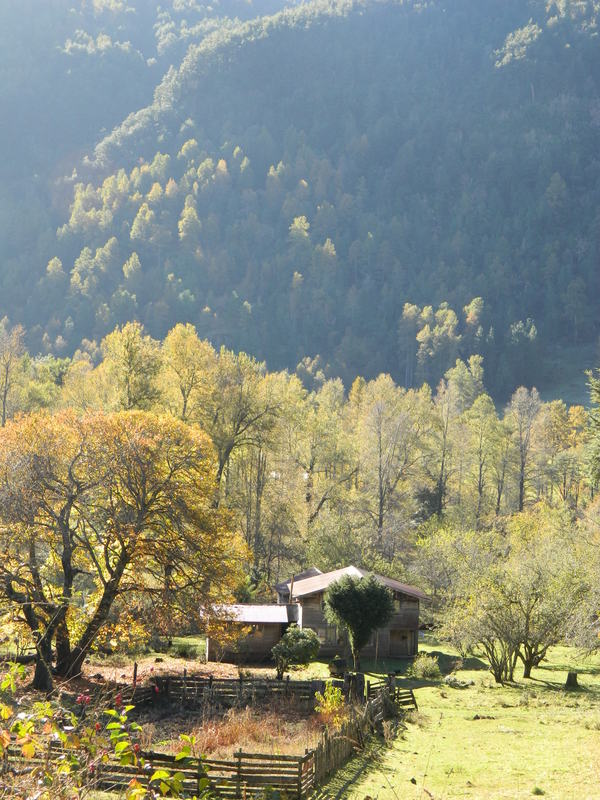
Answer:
(123, 501)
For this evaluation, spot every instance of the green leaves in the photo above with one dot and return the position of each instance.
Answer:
(296, 646)
(361, 605)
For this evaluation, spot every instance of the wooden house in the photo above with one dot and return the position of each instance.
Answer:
(301, 600)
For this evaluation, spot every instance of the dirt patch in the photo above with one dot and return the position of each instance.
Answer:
(149, 666)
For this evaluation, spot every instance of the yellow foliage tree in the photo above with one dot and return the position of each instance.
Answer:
(99, 507)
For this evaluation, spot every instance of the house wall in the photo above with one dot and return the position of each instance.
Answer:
(255, 646)
(399, 638)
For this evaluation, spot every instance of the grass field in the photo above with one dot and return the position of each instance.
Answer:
(488, 741)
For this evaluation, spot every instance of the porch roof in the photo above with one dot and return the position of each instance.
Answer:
(253, 614)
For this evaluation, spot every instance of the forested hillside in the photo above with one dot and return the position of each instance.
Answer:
(387, 186)
(361, 474)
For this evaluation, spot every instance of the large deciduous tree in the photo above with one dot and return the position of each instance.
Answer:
(516, 594)
(523, 409)
(96, 508)
(130, 367)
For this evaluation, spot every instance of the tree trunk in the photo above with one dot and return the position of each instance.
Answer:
(571, 682)
(80, 651)
(527, 668)
(42, 678)
(63, 648)
(522, 485)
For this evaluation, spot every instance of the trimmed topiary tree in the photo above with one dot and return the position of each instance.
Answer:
(296, 647)
(361, 606)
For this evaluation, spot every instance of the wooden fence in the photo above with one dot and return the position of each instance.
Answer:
(188, 689)
(338, 747)
(403, 698)
(242, 776)
(245, 774)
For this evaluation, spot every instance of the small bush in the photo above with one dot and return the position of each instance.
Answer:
(330, 705)
(417, 718)
(184, 650)
(391, 729)
(297, 647)
(424, 667)
(538, 791)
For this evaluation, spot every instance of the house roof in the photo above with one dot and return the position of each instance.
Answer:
(275, 614)
(304, 587)
(284, 586)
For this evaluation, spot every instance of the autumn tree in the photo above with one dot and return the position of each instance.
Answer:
(187, 369)
(516, 595)
(388, 424)
(318, 447)
(522, 412)
(12, 350)
(483, 435)
(237, 406)
(130, 367)
(104, 507)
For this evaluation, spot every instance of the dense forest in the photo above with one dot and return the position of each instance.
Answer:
(329, 475)
(336, 185)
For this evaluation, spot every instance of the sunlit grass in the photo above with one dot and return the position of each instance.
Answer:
(489, 741)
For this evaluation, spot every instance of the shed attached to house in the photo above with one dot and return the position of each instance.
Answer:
(259, 627)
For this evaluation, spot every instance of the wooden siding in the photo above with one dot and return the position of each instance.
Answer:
(404, 623)
(255, 646)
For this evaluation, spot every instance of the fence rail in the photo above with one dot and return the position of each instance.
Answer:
(195, 689)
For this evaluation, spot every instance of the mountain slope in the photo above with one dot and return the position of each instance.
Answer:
(322, 167)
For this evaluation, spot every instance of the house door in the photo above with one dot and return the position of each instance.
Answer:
(399, 644)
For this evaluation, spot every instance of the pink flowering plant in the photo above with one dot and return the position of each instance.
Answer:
(63, 753)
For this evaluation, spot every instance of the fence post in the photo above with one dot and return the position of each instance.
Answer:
(238, 789)
(135, 671)
(300, 778)
(183, 697)
(346, 689)
(360, 687)
(201, 774)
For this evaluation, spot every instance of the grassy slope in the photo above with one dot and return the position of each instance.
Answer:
(536, 737)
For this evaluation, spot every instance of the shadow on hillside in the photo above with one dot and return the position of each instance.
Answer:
(555, 686)
(590, 669)
(367, 760)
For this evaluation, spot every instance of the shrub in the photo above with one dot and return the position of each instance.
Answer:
(184, 650)
(424, 667)
(330, 705)
(297, 646)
